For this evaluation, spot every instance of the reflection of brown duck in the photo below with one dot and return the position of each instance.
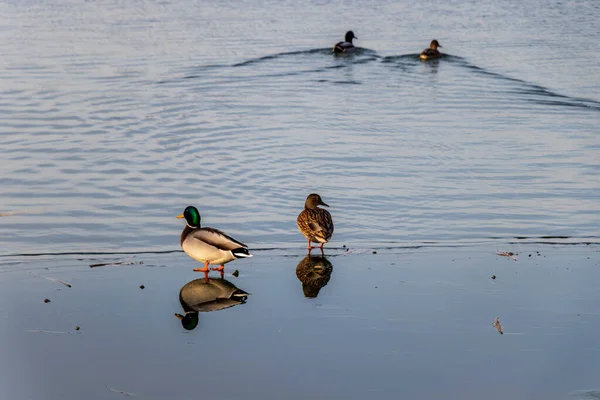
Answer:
(314, 272)
(201, 295)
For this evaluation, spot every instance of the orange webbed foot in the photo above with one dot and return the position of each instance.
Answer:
(220, 269)
(205, 269)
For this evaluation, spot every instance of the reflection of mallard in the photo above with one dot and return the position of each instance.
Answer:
(189, 321)
(201, 295)
(314, 272)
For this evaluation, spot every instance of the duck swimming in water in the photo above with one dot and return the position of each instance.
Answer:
(315, 223)
(346, 46)
(432, 52)
(209, 245)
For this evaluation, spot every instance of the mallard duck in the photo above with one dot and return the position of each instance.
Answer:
(432, 52)
(314, 272)
(209, 245)
(346, 46)
(315, 223)
(202, 295)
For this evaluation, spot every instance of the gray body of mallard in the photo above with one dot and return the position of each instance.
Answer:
(431, 52)
(209, 245)
(315, 223)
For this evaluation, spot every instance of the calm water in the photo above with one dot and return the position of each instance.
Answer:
(411, 324)
(117, 115)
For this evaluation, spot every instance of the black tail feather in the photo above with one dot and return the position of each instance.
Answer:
(241, 252)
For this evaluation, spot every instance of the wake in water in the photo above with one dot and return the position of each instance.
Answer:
(526, 91)
(281, 55)
(543, 95)
(355, 56)
(532, 89)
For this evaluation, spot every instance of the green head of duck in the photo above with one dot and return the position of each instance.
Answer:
(192, 216)
(189, 321)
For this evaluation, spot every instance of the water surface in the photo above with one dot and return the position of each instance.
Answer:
(411, 323)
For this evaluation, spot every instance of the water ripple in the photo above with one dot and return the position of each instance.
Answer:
(113, 122)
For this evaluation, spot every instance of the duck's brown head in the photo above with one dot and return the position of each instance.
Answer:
(434, 44)
(313, 200)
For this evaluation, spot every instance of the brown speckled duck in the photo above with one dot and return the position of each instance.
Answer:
(209, 245)
(432, 52)
(315, 223)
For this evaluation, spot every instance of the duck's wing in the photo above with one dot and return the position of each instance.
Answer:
(216, 238)
(342, 47)
(316, 223)
(302, 221)
(430, 52)
(325, 222)
(219, 304)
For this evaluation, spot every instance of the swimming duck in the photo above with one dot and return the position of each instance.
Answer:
(345, 46)
(209, 245)
(315, 223)
(432, 52)
(314, 272)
